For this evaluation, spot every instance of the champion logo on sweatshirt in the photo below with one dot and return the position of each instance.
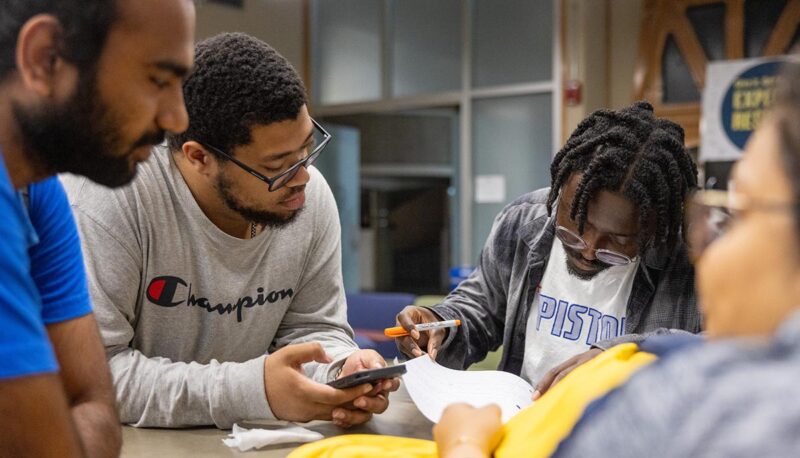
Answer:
(164, 291)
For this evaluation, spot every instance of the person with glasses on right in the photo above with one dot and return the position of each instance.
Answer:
(731, 393)
(597, 259)
(216, 276)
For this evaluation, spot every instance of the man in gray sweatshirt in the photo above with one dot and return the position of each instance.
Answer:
(223, 253)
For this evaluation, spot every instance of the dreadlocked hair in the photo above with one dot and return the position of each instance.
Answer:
(633, 153)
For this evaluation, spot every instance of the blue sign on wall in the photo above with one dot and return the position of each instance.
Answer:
(748, 97)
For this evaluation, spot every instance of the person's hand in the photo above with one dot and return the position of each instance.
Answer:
(376, 401)
(294, 397)
(465, 431)
(555, 374)
(413, 343)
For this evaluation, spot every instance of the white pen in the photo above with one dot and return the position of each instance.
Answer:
(399, 331)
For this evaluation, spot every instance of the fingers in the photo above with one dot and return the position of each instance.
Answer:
(339, 418)
(393, 384)
(408, 346)
(384, 387)
(548, 379)
(563, 374)
(362, 360)
(371, 359)
(492, 410)
(374, 404)
(545, 382)
(555, 375)
(377, 389)
(481, 425)
(328, 395)
(553, 378)
(458, 409)
(407, 318)
(345, 418)
(362, 408)
(435, 339)
(296, 355)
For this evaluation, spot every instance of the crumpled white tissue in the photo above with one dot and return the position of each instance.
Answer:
(246, 439)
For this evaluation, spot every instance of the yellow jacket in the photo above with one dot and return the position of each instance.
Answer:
(534, 432)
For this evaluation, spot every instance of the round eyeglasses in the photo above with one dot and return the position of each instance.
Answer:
(711, 213)
(576, 242)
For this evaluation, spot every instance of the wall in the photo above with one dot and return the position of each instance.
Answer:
(601, 40)
(280, 23)
(624, 23)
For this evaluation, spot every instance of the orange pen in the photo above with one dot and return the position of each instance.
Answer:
(399, 331)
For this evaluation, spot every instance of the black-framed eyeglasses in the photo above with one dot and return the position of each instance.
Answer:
(576, 242)
(710, 213)
(280, 180)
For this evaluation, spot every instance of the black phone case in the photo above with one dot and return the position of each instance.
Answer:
(368, 376)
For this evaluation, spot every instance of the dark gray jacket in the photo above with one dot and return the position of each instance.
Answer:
(494, 302)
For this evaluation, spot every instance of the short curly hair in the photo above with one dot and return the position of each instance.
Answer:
(237, 82)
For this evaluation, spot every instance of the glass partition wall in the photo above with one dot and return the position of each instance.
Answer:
(455, 104)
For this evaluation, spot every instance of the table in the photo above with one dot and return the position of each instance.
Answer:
(401, 419)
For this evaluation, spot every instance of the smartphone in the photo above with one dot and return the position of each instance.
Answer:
(368, 376)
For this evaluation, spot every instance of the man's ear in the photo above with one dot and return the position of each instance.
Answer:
(38, 60)
(198, 158)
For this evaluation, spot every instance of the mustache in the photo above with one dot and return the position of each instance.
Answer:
(150, 139)
(594, 263)
(294, 191)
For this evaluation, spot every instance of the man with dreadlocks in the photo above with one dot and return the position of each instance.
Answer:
(588, 263)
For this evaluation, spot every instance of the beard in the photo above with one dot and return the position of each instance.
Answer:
(581, 274)
(81, 136)
(261, 217)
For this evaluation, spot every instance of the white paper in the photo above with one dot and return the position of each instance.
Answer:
(433, 387)
(245, 439)
(490, 189)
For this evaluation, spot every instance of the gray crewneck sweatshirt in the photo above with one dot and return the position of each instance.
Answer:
(187, 312)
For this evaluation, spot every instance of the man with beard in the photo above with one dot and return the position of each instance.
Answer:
(226, 248)
(580, 266)
(68, 103)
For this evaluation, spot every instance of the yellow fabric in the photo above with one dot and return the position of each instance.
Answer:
(534, 432)
(537, 430)
(367, 446)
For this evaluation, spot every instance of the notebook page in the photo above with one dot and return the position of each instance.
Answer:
(433, 387)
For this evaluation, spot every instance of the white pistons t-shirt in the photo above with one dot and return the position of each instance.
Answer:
(568, 314)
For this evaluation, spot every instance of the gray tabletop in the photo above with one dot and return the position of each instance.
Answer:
(401, 419)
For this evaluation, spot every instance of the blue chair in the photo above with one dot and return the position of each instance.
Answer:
(370, 313)
(364, 342)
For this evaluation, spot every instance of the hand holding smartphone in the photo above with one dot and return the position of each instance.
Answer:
(369, 376)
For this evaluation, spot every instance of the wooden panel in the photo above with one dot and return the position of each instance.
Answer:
(784, 31)
(734, 29)
(662, 18)
(647, 79)
(687, 42)
(688, 116)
